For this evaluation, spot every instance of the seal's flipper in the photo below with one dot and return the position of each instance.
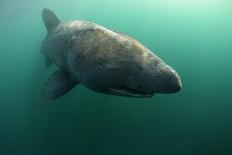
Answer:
(58, 84)
(50, 19)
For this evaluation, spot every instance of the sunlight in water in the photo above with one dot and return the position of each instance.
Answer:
(191, 4)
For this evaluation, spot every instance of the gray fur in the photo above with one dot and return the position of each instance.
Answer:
(105, 61)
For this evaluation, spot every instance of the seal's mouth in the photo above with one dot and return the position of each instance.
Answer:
(124, 91)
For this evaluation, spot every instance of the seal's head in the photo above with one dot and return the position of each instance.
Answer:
(155, 76)
(171, 82)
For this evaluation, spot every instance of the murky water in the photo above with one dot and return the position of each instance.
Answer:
(195, 37)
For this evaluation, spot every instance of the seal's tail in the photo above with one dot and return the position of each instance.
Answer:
(50, 19)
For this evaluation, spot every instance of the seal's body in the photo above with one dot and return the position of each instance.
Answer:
(102, 60)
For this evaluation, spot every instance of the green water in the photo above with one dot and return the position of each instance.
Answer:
(193, 36)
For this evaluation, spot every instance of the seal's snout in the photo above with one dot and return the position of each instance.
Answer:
(174, 82)
(170, 79)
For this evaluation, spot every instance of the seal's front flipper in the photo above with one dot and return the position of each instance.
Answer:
(58, 84)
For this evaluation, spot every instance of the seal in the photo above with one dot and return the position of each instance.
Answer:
(102, 60)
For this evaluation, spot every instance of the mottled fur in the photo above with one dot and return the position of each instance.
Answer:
(106, 61)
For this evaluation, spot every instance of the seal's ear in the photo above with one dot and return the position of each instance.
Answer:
(50, 19)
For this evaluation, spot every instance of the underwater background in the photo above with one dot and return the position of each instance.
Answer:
(193, 36)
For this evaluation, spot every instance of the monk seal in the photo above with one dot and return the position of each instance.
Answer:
(102, 60)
